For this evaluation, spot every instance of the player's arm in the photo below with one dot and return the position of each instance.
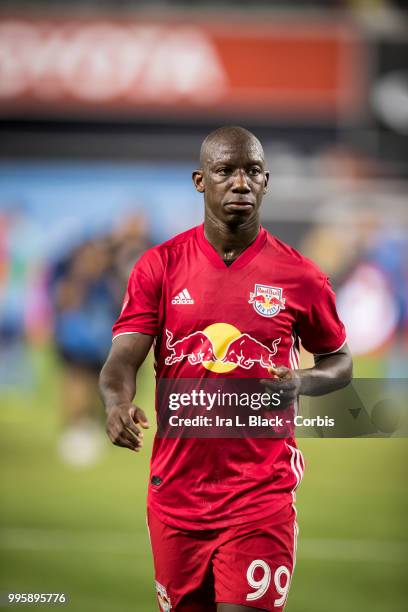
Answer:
(117, 384)
(330, 372)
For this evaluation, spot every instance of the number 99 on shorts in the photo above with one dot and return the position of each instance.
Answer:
(281, 579)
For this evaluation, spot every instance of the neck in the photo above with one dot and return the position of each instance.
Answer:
(229, 240)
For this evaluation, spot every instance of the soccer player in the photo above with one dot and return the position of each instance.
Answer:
(222, 300)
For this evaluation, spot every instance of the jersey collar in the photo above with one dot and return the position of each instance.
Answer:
(242, 260)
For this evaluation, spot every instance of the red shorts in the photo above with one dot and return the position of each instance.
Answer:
(249, 564)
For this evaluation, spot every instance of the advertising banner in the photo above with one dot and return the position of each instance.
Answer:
(285, 68)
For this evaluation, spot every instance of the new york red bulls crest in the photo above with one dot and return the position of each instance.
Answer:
(267, 301)
(164, 599)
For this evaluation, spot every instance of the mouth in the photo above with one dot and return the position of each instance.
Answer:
(239, 205)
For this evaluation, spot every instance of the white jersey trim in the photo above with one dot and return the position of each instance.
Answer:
(294, 364)
(124, 334)
(331, 352)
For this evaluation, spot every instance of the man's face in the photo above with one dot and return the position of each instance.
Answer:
(233, 180)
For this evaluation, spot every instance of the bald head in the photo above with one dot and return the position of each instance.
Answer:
(228, 137)
(232, 176)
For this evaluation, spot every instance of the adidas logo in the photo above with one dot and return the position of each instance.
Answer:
(183, 298)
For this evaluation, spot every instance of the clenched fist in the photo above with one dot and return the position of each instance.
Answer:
(122, 426)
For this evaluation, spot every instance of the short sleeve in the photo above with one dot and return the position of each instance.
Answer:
(140, 308)
(319, 325)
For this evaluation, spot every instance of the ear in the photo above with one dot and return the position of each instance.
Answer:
(198, 180)
(266, 181)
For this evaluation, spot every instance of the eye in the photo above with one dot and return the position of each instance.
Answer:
(223, 171)
(254, 170)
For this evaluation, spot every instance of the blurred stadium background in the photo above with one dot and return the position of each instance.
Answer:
(103, 106)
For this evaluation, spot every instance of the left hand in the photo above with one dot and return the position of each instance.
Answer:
(285, 382)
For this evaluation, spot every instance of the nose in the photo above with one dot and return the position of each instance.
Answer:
(240, 184)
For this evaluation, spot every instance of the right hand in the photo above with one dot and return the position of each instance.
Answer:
(122, 426)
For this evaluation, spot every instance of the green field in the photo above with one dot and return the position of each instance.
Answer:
(83, 532)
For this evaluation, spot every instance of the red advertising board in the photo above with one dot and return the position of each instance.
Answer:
(139, 67)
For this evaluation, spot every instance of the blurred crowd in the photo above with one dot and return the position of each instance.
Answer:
(86, 290)
(80, 295)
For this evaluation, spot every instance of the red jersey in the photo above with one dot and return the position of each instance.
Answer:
(213, 320)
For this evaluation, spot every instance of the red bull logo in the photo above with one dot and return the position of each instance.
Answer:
(220, 347)
(163, 598)
(195, 347)
(267, 301)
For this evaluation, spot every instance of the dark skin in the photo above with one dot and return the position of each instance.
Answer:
(233, 179)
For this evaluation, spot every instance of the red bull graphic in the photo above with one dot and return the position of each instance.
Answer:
(220, 347)
(245, 351)
(267, 301)
(163, 598)
(195, 347)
